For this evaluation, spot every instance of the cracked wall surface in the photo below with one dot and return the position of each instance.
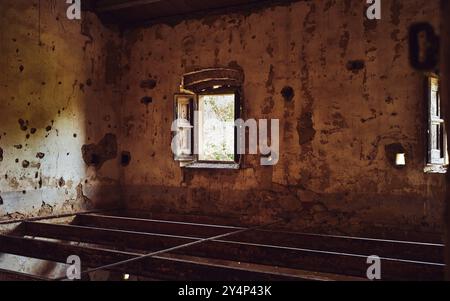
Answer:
(57, 93)
(86, 114)
(353, 96)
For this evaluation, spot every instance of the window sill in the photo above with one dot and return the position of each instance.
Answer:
(438, 169)
(233, 166)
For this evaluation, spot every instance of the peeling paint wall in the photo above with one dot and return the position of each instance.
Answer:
(57, 93)
(85, 115)
(352, 95)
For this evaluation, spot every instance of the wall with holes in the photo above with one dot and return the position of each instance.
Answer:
(345, 95)
(84, 109)
(58, 126)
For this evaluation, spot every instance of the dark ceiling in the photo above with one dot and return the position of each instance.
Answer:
(145, 12)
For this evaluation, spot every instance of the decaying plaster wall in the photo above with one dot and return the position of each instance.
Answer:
(355, 100)
(58, 93)
(86, 115)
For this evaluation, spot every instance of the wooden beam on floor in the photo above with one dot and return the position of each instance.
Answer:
(327, 261)
(55, 216)
(415, 251)
(155, 267)
(307, 275)
(152, 225)
(374, 232)
(7, 275)
(121, 239)
(321, 261)
(187, 218)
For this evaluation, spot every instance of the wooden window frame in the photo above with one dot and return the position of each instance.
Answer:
(192, 107)
(193, 161)
(434, 165)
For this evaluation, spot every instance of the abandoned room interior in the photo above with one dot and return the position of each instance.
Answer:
(229, 140)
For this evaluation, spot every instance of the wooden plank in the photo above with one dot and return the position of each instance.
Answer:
(138, 12)
(152, 226)
(271, 255)
(369, 232)
(187, 218)
(7, 275)
(156, 267)
(117, 238)
(320, 261)
(363, 246)
(56, 216)
(415, 251)
(307, 275)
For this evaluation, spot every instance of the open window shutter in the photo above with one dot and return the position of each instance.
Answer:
(436, 136)
(431, 134)
(184, 135)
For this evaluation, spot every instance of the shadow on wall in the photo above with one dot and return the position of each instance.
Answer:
(56, 109)
(345, 119)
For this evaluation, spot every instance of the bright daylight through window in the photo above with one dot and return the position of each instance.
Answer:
(216, 128)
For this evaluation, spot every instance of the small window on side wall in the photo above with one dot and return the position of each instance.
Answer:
(437, 159)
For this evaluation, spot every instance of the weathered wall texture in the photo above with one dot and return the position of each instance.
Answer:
(55, 98)
(64, 102)
(336, 133)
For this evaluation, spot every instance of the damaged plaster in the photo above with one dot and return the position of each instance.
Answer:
(341, 107)
(97, 154)
(52, 85)
(300, 62)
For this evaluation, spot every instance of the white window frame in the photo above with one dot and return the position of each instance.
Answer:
(437, 158)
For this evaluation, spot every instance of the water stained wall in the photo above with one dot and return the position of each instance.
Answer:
(54, 99)
(86, 113)
(340, 85)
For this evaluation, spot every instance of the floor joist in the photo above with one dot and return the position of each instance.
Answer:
(138, 236)
(364, 246)
(7, 275)
(152, 226)
(156, 267)
(111, 237)
(329, 261)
